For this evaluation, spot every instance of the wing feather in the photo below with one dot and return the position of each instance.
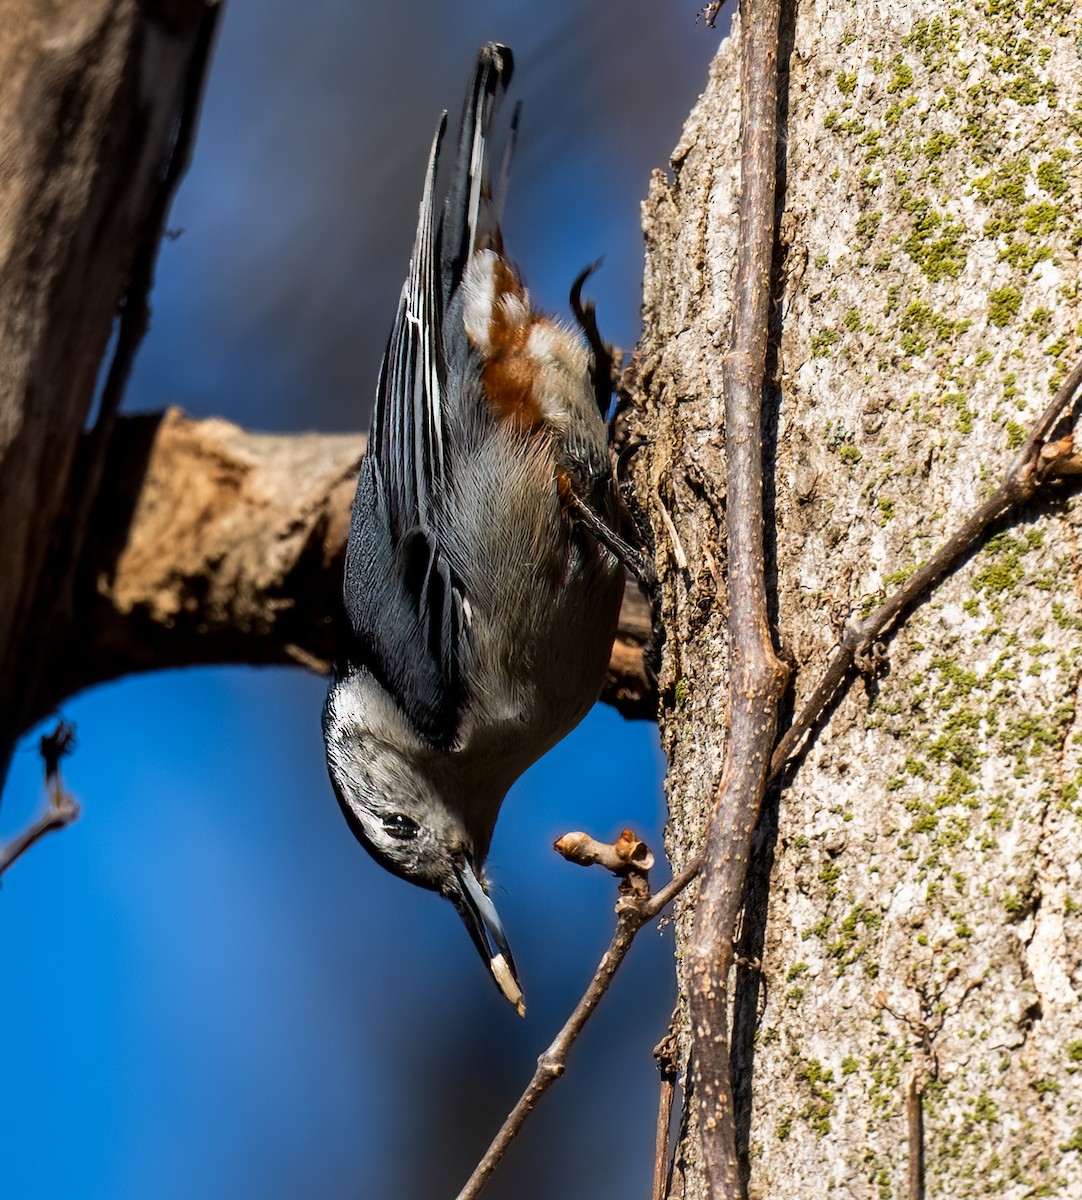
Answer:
(399, 589)
(404, 601)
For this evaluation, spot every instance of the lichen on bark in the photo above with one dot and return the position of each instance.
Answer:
(923, 928)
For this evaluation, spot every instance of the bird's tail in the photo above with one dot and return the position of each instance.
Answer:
(471, 212)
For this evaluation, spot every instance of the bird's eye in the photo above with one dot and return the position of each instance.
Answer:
(398, 825)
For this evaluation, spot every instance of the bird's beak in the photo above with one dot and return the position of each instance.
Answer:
(479, 915)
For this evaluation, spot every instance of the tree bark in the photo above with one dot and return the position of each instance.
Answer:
(88, 113)
(209, 544)
(914, 895)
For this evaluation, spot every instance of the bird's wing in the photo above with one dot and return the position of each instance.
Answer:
(404, 605)
(404, 602)
(407, 436)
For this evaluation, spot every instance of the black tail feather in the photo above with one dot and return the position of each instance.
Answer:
(469, 214)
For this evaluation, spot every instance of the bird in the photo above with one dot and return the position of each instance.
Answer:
(485, 562)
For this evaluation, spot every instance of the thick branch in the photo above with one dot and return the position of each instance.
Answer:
(89, 111)
(209, 544)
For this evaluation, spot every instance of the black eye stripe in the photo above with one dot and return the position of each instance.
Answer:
(398, 825)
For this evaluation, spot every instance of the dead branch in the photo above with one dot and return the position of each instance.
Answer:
(666, 1055)
(61, 810)
(633, 911)
(757, 676)
(209, 544)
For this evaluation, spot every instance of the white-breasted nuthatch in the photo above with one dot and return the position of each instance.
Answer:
(484, 568)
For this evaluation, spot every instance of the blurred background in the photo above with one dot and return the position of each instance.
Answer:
(210, 990)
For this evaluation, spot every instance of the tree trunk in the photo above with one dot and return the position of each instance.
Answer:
(915, 894)
(92, 91)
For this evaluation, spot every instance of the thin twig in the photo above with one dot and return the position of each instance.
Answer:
(915, 1140)
(679, 555)
(56, 817)
(633, 912)
(665, 1055)
(761, 677)
(757, 677)
(62, 808)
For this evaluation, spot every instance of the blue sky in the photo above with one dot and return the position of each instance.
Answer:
(211, 990)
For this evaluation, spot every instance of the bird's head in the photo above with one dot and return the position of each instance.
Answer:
(408, 807)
